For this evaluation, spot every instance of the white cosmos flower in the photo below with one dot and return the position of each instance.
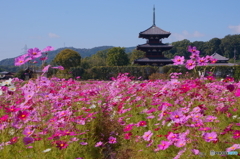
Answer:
(1, 92)
(47, 150)
(235, 116)
(12, 88)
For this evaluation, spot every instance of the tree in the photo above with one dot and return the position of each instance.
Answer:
(68, 58)
(136, 54)
(117, 57)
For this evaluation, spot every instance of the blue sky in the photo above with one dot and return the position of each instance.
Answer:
(91, 23)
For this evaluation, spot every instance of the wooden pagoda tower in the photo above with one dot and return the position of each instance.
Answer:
(154, 46)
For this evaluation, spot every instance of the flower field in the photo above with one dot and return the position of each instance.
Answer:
(58, 118)
(52, 118)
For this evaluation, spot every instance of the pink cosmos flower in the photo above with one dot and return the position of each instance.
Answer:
(178, 60)
(204, 129)
(172, 137)
(28, 140)
(48, 48)
(59, 67)
(193, 49)
(164, 145)
(210, 136)
(180, 143)
(237, 93)
(210, 118)
(112, 140)
(190, 64)
(28, 132)
(195, 151)
(45, 69)
(202, 61)
(21, 60)
(83, 143)
(195, 56)
(34, 53)
(233, 147)
(147, 135)
(98, 144)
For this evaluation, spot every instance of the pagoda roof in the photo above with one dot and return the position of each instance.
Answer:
(153, 60)
(219, 57)
(154, 30)
(155, 46)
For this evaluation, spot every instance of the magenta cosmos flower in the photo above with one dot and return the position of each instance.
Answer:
(202, 61)
(178, 60)
(164, 145)
(28, 140)
(193, 49)
(34, 53)
(112, 140)
(61, 144)
(147, 135)
(236, 134)
(210, 136)
(190, 64)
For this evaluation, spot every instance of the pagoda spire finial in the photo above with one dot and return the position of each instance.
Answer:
(154, 15)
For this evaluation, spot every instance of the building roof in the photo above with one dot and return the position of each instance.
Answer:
(154, 30)
(219, 57)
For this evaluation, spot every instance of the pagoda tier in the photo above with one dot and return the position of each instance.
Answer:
(154, 46)
(154, 32)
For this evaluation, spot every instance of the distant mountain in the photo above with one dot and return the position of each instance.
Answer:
(83, 52)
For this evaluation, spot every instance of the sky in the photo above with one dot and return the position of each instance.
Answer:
(92, 23)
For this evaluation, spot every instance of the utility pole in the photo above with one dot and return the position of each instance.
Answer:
(25, 49)
(234, 54)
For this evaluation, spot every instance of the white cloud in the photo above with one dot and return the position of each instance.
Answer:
(235, 29)
(186, 35)
(52, 35)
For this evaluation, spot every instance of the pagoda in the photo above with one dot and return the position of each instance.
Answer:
(154, 46)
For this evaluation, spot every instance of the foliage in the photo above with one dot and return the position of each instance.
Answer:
(68, 58)
(76, 71)
(106, 72)
(136, 54)
(117, 57)
(20, 74)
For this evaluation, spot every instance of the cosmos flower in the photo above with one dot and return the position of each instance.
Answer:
(236, 134)
(147, 135)
(112, 140)
(48, 48)
(193, 49)
(34, 53)
(178, 60)
(210, 136)
(190, 64)
(98, 144)
(164, 145)
(28, 140)
(61, 144)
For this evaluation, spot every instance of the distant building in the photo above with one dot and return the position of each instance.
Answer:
(6, 75)
(154, 46)
(221, 60)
